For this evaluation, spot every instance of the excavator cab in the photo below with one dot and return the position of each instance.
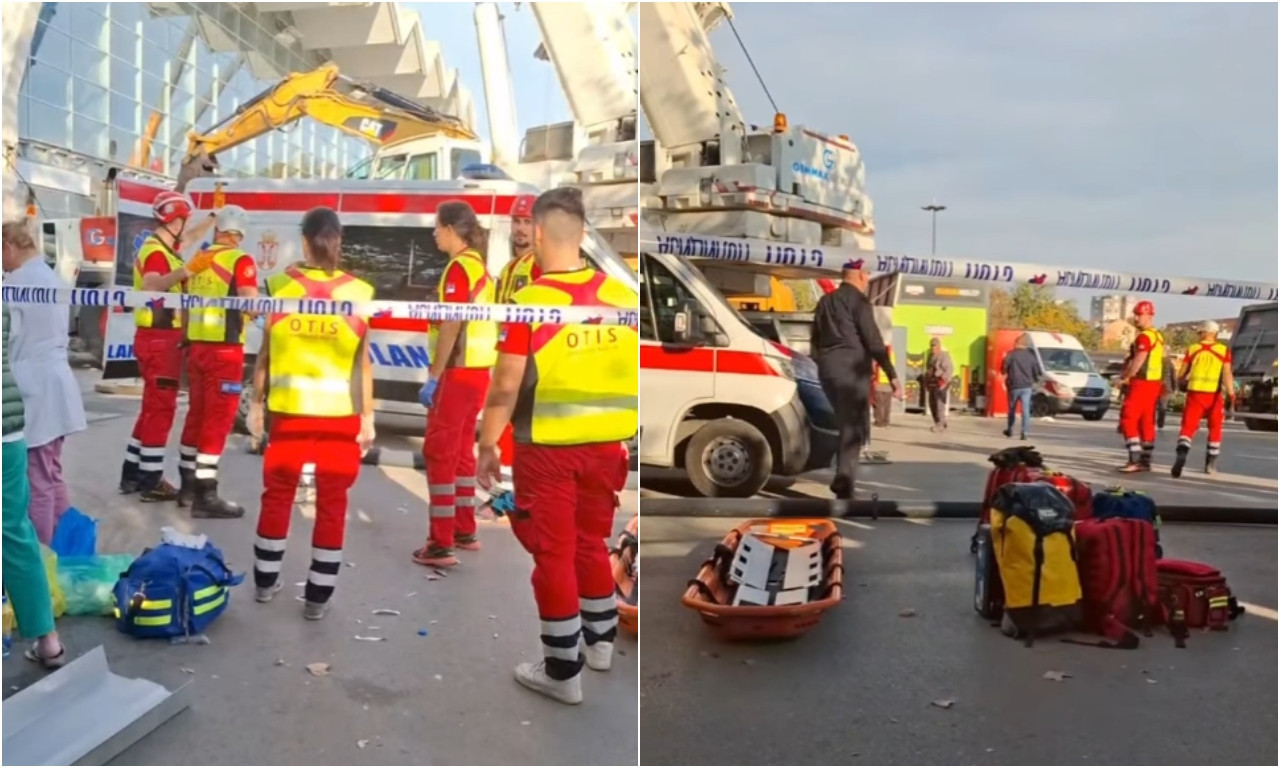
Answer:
(431, 159)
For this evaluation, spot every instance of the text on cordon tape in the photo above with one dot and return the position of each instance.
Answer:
(411, 310)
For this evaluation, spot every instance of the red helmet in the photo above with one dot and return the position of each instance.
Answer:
(169, 206)
(523, 207)
(1144, 308)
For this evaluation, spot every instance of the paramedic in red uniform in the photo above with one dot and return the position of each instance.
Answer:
(1143, 376)
(157, 342)
(462, 353)
(571, 391)
(315, 376)
(521, 270)
(1207, 380)
(215, 366)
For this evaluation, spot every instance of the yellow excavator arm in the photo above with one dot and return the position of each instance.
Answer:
(367, 111)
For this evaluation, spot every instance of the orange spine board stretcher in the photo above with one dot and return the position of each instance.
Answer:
(622, 558)
(711, 594)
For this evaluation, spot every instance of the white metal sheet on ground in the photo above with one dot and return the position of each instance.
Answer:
(83, 714)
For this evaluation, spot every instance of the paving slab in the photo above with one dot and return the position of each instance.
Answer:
(444, 698)
(859, 689)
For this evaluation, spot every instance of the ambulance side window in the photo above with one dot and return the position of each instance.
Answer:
(661, 296)
(401, 263)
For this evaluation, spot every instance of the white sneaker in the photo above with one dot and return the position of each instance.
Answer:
(599, 656)
(533, 675)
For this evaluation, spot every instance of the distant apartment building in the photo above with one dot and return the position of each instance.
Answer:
(1104, 310)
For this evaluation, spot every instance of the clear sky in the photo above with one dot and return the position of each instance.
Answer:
(538, 97)
(1141, 137)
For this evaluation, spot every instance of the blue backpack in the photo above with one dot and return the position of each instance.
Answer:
(1132, 505)
(173, 591)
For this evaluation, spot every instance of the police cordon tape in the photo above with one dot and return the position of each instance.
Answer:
(818, 260)
(412, 310)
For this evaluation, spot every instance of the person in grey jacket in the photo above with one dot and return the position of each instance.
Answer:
(25, 578)
(1021, 369)
(938, 372)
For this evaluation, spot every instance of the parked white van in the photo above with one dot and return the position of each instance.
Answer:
(1071, 384)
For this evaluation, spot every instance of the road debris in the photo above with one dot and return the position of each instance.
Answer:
(943, 703)
(370, 639)
(281, 663)
(1056, 677)
(351, 565)
(495, 635)
(440, 573)
(1153, 682)
(385, 612)
(299, 583)
(431, 577)
(318, 668)
(907, 613)
(749, 662)
(187, 670)
(492, 617)
(362, 743)
(364, 516)
(411, 594)
(438, 677)
(422, 633)
(525, 722)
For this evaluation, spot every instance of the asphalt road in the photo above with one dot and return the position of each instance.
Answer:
(446, 698)
(859, 688)
(952, 466)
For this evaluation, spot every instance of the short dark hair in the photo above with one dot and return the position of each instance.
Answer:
(564, 199)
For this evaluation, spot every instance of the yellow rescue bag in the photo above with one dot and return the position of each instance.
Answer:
(1031, 533)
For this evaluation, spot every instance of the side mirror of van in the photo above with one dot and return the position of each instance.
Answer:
(688, 323)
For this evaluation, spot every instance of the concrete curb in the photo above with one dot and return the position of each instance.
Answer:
(943, 510)
(126, 387)
(385, 457)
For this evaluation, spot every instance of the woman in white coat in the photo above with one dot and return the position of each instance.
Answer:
(38, 337)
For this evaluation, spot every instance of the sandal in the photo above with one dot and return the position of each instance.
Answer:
(50, 663)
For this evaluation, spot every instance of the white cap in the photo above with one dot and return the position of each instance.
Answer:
(231, 218)
(1209, 326)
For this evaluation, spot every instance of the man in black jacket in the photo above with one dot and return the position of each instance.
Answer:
(844, 342)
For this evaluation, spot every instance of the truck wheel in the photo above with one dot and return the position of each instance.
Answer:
(728, 458)
(1094, 416)
(1040, 407)
(1260, 425)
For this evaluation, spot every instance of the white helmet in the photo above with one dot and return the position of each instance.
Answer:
(231, 218)
(1210, 326)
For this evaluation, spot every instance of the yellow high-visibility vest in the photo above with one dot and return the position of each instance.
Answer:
(476, 346)
(1153, 368)
(516, 275)
(312, 362)
(156, 317)
(582, 381)
(215, 324)
(1204, 366)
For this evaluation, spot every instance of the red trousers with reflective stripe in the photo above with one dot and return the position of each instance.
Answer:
(160, 365)
(1203, 405)
(450, 452)
(1138, 412)
(566, 498)
(329, 443)
(215, 374)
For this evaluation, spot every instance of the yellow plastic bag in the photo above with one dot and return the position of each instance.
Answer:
(55, 590)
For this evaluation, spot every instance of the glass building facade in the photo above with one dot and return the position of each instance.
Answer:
(104, 76)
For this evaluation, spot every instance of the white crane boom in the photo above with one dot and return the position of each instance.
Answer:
(594, 54)
(504, 136)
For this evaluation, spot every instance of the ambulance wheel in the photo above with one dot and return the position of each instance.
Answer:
(728, 458)
(1040, 407)
(1094, 416)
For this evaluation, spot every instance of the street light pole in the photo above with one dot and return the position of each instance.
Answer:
(933, 209)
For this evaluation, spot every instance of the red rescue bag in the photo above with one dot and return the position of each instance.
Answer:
(1116, 560)
(1080, 494)
(1199, 591)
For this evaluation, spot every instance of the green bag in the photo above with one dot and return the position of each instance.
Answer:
(87, 582)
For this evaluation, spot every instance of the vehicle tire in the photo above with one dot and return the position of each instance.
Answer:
(1040, 407)
(1260, 425)
(1095, 416)
(728, 458)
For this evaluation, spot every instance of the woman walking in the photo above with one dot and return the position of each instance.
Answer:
(313, 374)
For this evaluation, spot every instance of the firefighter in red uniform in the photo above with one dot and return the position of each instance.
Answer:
(572, 393)
(462, 354)
(317, 381)
(1143, 378)
(1206, 378)
(215, 366)
(521, 270)
(157, 343)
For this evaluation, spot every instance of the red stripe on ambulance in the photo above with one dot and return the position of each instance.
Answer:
(703, 360)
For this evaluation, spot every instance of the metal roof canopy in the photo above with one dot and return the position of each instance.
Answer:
(84, 714)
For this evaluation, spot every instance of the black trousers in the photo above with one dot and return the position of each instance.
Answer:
(938, 405)
(850, 399)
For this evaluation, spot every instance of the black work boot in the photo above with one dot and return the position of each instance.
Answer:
(1179, 461)
(129, 477)
(1210, 465)
(187, 489)
(208, 505)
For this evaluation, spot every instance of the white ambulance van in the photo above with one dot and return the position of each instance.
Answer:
(717, 400)
(387, 240)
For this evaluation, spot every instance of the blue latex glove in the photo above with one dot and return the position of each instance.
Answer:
(503, 504)
(427, 395)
